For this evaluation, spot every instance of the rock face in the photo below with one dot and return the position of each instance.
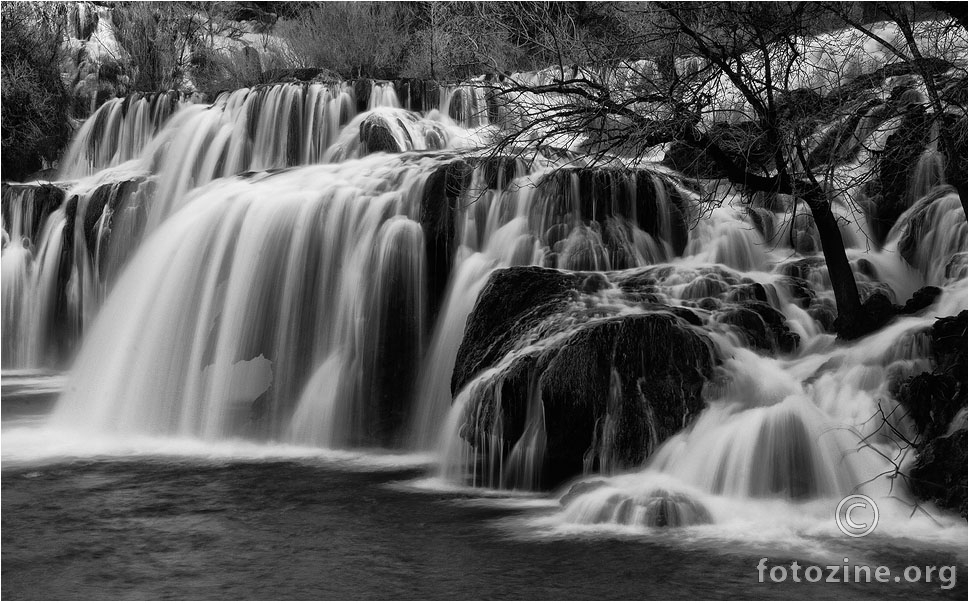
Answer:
(513, 303)
(34, 203)
(937, 403)
(640, 197)
(762, 326)
(578, 387)
(902, 152)
(376, 137)
(878, 310)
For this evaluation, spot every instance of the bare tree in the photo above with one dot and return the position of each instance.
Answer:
(926, 57)
(744, 85)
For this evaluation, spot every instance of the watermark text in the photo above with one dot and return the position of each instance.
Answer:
(946, 575)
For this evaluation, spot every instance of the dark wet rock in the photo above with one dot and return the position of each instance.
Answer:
(594, 282)
(748, 292)
(950, 340)
(865, 268)
(823, 312)
(784, 339)
(376, 137)
(940, 472)
(709, 303)
(641, 286)
(640, 198)
(763, 327)
(751, 327)
(937, 403)
(919, 227)
(839, 143)
(362, 91)
(500, 170)
(929, 397)
(438, 206)
(744, 143)
(512, 303)
(687, 315)
(705, 286)
(103, 203)
(921, 300)
(896, 162)
(803, 234)
(803, 268)
(691, 161)
(42, 198)
(763, 221)
(611, 389)
(641, 280)
(875, 313)
(663, 509)
(417, 94)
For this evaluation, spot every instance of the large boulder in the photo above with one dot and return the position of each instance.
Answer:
(551, 370)
(512, 304)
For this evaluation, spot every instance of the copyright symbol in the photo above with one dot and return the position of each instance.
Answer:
(857, 515)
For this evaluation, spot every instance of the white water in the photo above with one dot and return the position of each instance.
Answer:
(293, 306)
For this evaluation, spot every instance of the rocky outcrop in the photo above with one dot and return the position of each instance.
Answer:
(376, 137)
(33, 203)
(512, 305)
(937, 403)
(878, 310)
(763, 327)
(606, 205)
(744, 143)
(609, 388)
(902, 152)
(611, 201)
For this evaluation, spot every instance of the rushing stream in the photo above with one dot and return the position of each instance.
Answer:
(261, 302)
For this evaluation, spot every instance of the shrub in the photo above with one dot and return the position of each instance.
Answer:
(35, 103)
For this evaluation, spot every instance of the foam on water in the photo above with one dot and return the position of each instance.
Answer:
(24, 447)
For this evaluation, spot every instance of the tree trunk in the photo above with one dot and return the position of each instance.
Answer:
(840, 272)
(833, 247)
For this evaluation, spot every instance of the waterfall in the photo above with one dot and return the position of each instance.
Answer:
(134, 163)
(780, 428)
(296, 305)
(249, 303)
(33, 229)
(117, 132)
(301, 262)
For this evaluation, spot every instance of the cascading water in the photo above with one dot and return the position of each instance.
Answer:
(333, 334)
(269, 306)
(117, 132)
(277, 267)
(149, 153)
